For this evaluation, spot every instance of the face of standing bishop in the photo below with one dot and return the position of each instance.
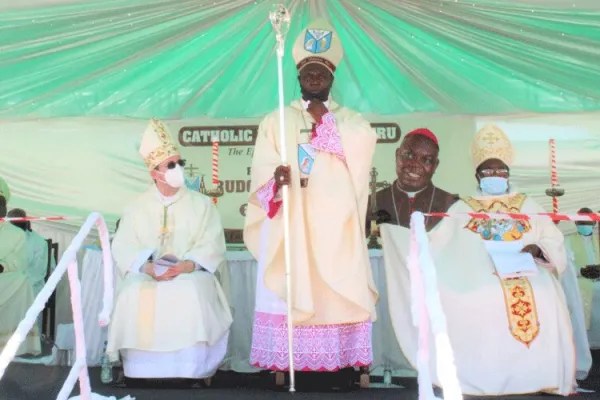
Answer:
(315, 82)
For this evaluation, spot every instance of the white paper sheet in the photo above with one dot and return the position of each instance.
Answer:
(508, 259)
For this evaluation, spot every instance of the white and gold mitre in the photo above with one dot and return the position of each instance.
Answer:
(4, 190)
(318, 43)
(157, 144)
(491, 142)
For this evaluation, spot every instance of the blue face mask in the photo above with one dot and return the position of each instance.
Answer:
(494, 185)
(585, 230)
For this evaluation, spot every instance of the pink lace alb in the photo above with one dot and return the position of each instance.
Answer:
(316, 348)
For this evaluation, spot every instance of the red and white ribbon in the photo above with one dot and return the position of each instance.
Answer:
(549, 216)
(215, 164)
(23, 219)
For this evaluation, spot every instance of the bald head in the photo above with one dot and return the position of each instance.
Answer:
(19, 213)
(585, 210)
(16, 213)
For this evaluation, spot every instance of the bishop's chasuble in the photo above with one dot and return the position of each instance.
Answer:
(16, 290)
(509, 336)
(177, 328)
(333, 292)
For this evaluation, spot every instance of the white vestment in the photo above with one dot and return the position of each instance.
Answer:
(37, 260)
(37, 264)
(16, 291)
(585, 251)
(178, 328)
(508, 337)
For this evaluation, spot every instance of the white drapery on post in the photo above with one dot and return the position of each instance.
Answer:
(79, 370)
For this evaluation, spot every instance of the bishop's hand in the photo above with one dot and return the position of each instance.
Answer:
(317, 109)
(534, 250)
(149, 270)
(282, 175)
(184, 267)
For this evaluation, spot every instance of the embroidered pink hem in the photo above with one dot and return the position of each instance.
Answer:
(320, 348)
(267, 197)
(327, 138)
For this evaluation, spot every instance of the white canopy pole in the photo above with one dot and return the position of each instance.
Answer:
(280, 19)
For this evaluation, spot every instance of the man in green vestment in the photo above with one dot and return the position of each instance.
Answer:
(16, 291)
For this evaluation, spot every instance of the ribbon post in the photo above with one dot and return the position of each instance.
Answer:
(215, 165)
(555, 191)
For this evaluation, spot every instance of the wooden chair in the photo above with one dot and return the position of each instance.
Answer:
(49, 313)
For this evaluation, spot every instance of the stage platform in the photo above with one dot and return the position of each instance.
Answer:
(37, 382)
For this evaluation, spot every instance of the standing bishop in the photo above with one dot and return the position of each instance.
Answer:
(333, 292)
(171, 318)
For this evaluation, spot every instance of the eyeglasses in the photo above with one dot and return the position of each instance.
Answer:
(494, 172)
(425, 159)
(172, 164)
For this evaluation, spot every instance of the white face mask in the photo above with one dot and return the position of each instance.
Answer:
(175, 177)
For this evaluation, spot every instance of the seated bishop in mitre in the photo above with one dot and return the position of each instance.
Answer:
(509, 335)
(171, 318)
(16, 290)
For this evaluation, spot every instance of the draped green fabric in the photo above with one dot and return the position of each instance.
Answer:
(190, 58)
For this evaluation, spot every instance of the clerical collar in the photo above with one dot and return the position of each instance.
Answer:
(167, 200)
(411, 195)
(306, 103)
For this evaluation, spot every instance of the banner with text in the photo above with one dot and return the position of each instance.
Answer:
(223, 171)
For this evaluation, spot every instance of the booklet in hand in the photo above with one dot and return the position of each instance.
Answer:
(163, 264)
(509, 261)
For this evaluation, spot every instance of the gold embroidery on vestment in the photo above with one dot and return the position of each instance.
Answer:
(518, 293)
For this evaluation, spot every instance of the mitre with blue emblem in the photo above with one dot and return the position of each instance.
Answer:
(318, 43)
